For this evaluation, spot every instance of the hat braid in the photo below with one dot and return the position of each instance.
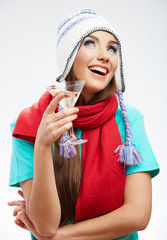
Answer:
(127, 153)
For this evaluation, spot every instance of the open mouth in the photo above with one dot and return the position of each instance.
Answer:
(98, 70)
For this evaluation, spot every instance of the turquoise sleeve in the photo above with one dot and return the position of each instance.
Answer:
(22, 160)
(139, 138)
(32, 237)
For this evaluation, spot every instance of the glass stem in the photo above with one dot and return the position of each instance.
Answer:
(72, 133)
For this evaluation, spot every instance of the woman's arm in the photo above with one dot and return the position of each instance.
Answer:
(133, 216)
(41, 197)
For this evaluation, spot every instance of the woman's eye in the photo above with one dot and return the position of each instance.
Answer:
(89, 43)
(112, 49)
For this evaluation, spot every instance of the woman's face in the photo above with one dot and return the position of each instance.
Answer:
(96, 62)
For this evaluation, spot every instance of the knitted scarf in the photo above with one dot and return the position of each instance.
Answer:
(102, 176)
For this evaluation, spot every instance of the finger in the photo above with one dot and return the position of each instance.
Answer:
(56, 125)
(56, 129)
(29, 225)
(53, 104)
(19, 209)
(21, 193)
(16, 203)
(62, 130)
(65, 113)
(19, 223)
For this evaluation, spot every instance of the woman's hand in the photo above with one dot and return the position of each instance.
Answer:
(53, 125)
(22, 220)
(20, 207)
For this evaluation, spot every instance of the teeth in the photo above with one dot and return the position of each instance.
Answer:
(99, 69)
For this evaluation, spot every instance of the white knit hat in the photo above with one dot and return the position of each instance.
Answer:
(71, 33)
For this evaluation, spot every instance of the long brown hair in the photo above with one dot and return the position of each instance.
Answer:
(68, 171)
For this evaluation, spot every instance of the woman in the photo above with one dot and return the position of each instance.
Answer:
(105, 193)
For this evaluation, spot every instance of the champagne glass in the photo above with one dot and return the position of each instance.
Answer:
(71, 91)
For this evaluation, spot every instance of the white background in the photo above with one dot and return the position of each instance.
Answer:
(28, 64)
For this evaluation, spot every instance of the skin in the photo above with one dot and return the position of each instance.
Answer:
(96, 49)
(31, 213)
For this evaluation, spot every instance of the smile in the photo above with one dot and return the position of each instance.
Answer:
(99, 70)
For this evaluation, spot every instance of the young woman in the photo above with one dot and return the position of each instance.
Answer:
(104, 192)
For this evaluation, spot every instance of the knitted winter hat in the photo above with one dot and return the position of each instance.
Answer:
(71, 33)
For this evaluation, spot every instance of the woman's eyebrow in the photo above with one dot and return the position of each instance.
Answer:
(113, 42)
(110, 42)
(93, 37)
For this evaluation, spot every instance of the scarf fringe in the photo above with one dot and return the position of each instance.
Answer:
(129, 155)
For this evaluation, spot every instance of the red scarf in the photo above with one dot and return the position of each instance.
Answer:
(29, 119)
(102, 177)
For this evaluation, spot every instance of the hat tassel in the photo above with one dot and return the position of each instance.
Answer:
(128, 153)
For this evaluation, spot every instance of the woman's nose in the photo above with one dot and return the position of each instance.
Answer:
(102, 56)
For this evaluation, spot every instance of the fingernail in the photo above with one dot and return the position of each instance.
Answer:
(62, 94)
